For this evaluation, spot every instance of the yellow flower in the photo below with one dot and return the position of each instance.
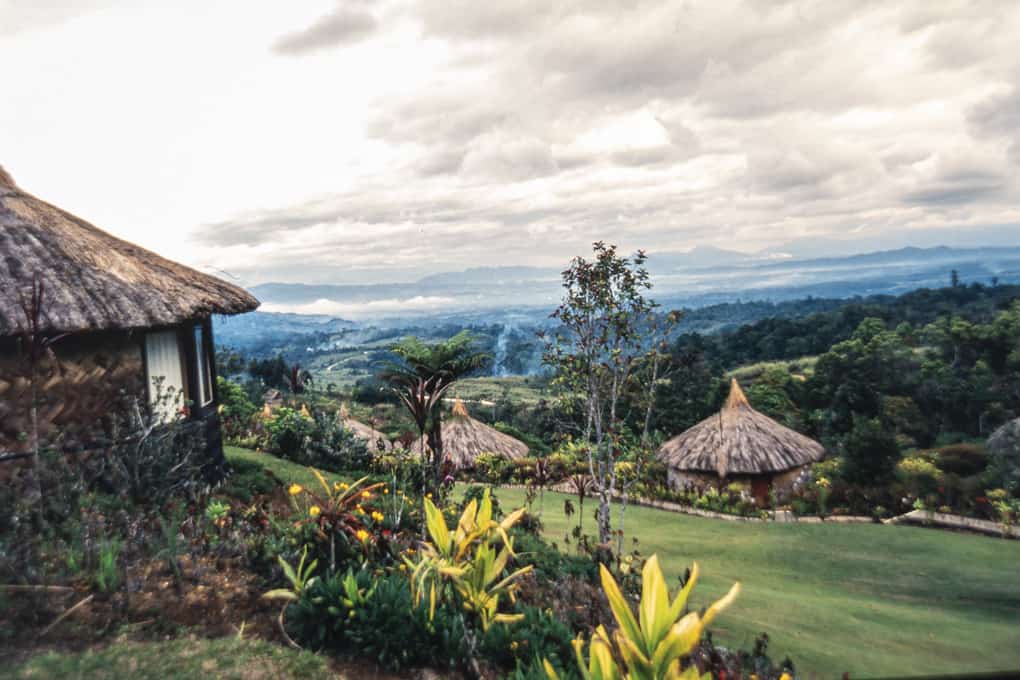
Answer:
(366, 495)
(785, 676)
(294, 489)
(314, 511)
(362, 535)
(344, 486)
(429, 496)
(386, 491)
(514, 645)
(377, 516)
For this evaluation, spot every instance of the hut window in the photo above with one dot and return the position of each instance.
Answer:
(205, 393)
(166, 378)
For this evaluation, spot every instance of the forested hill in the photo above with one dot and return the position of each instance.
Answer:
(793, 335)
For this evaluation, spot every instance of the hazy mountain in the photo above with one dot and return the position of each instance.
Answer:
(694, 278)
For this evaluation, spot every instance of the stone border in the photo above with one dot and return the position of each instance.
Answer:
(940, 519)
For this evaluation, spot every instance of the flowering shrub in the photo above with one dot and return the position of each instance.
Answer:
(920, 476)
(341, 517)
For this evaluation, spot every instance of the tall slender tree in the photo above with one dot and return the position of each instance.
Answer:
(607, 354)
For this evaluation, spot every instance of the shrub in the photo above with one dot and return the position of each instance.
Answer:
(247, 479)
(538, 635)
(962, 459)
(870, 452)
(550, 563)
(236, 409)
(653, 645)
(288, 431)
(380, 622)
(332, 446)
(149, 461)
(492, 468)
(919, 475)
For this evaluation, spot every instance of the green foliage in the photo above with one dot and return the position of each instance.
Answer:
(652, 645)
(465, 562)
(422, 374)
(236, 409)
(870, 452)
(299, 578)
(332, 446)
(247, 479)
(289, 433)
(380, 624)
(107, 576)
(920, 476)
(538, 635)
(962, 459)
(549, 562)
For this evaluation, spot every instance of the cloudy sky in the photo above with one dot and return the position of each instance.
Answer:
(378, 140)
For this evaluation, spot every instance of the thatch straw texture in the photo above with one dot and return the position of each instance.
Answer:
(464, 439)
(93, 280)
(376, 440)
(739, 440)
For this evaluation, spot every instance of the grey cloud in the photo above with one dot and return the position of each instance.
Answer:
(781, 118)
(343, 27)
(999, 117)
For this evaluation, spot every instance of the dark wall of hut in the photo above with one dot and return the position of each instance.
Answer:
(81, 387)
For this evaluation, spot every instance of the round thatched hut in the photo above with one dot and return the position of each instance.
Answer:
(464, 439)
(376, 440)
(739, 444)
(116, 321)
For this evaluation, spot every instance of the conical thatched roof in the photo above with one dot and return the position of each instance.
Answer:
(376, 440)
(464, 439)
(739, 440)
(93, 280)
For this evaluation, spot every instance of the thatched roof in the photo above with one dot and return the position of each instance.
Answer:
(376, 440)
(465, 438)
(739, 440)
(93, 280)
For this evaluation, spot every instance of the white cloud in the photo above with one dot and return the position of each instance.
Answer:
(333, 141)
(358, 310)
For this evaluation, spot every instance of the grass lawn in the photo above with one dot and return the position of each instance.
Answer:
(284, 469)
(870, 599)
(186, 658)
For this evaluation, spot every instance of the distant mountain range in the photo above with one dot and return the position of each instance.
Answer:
(694, 278)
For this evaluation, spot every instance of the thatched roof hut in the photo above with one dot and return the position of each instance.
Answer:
(95, 281)
(130, 323)
(464, 439)
(739, 442)
(376, 440)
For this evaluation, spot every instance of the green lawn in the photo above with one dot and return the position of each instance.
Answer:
(869, 599)
(865, 598)
(284, 469)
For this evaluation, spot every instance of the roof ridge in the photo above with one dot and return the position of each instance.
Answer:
(737, 398)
